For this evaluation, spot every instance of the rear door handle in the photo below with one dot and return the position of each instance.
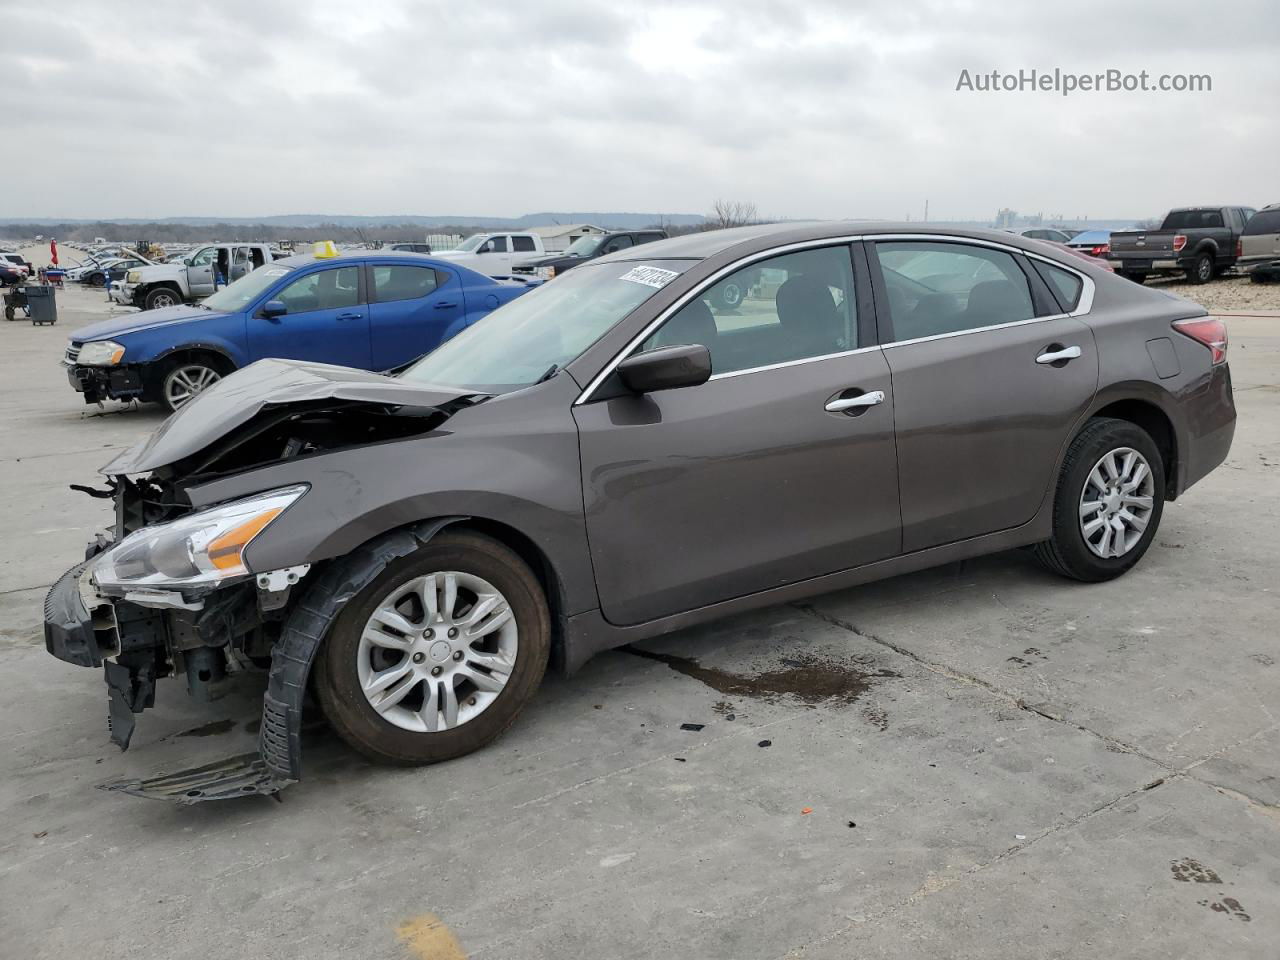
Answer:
(1057, 356)
(840, 404)
(350, 316)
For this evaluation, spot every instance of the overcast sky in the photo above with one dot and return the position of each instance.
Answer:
(808, 109)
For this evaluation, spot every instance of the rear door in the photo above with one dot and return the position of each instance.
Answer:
(987, 384)
(412, 310)
(326, 319)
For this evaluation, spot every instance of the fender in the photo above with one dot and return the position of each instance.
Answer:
(225, 350)
(280, 737)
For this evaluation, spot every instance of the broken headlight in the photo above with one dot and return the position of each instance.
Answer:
(200, 550)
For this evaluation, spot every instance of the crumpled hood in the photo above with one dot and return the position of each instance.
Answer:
(143, 320)
(269, 384)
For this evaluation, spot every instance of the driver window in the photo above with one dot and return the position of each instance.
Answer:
(323, 290)
(497, 245)
(616, 244)
(204, 257)
(793, 307)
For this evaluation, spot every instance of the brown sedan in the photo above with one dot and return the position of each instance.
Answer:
(627, 451)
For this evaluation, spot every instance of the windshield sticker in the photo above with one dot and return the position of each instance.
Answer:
(650, 276)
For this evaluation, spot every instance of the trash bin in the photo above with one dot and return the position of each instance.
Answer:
(41, 304)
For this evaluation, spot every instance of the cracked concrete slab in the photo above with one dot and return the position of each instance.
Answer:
(597, 826)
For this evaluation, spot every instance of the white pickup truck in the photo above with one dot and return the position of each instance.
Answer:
(494, 254)
(189, 279)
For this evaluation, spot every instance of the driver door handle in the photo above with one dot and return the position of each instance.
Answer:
(862, 400)
(1055, 356)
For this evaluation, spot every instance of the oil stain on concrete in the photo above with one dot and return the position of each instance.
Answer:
(426, 937)
(810, 679)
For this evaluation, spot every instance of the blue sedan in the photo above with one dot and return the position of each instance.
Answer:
(375, 311)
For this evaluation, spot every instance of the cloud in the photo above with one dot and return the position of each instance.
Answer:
(832, 109)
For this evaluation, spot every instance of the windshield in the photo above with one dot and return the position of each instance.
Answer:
(241, 293)
(584, 247)
(541, 331)
(471, 243)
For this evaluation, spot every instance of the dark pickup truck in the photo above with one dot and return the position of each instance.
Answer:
(1201, 242)
(584, 249)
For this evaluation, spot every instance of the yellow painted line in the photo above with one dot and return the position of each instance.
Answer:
(427, 938)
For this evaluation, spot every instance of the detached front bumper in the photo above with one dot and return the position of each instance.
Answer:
(121, 293)
(105, 383)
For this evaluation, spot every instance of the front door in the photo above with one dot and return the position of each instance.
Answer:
(326, 320)
(778, 469)
(982, 406)
(200, 272)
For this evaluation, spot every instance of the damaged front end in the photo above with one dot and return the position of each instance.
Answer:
(170, 591)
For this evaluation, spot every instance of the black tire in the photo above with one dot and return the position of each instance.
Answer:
(1138, 278)
(730, 294)
(1066, 552)
(159, 297)
(337, 680)
(96, 280)
(1201, 269)
(9, 313)
(190, 363)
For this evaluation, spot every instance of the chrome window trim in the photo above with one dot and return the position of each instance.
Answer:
(1083, 307)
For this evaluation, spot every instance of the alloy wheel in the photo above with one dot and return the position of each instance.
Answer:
(1116, 502)
(437, 651)
(184, 382)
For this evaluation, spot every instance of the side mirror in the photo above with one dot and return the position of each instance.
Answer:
(665, 368)
(274, 308)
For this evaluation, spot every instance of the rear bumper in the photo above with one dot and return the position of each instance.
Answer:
(1210, 425)
(105, 383)
(1269, 268)
(1138, 263)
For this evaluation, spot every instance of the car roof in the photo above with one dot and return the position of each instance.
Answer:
(359, 256)
(709, 243)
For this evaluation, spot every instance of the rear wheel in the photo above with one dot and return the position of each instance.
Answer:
(438, 655)
(1201, 270)
(97, 280)
(1108, 502)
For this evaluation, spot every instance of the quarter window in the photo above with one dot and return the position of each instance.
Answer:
(1066, 285)
(323, 290)
(392, 283)
(937, 288)
(792, 307)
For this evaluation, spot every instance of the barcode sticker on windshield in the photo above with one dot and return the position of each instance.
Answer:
(650, 276)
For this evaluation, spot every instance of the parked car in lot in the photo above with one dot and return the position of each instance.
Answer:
(1094, 243)
(1098, 262)
(615, 456)
(369, 310)
(192, 277)
(494, 254)
(1201, 242)
(1260, 245)
(16, 263)
(1048, 233)
(410, 247)
(585, 249)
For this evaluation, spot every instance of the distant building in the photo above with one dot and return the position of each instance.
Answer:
(1006, 218)
(558, 236)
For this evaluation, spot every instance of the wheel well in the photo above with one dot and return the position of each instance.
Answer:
(1154, 421)
(159, 369)
(166, 284)
(532, 554)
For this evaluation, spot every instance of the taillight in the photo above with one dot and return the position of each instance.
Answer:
(1210, 331)
(1179, 241)
(1101, 250)
(1239, 248)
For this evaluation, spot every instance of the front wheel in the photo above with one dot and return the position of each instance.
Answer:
(1108, 502)
(159, 298)
(185, 380)
(438, 655)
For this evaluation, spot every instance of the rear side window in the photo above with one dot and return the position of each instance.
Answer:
(937, 288)
(1066, 285)
(523, 245)
(1268, 221)
(391, 283)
